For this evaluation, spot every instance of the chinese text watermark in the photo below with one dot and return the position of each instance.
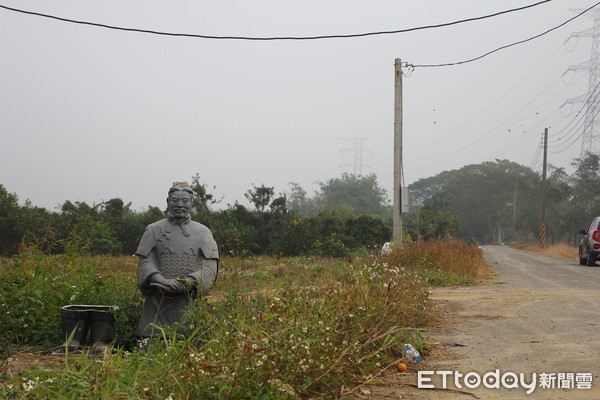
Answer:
(509, 380)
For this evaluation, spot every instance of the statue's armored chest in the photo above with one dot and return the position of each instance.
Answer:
(178, 254)
(178, 265)
(171, 240)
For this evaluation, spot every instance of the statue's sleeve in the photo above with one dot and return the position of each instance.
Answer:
(147, 242)
(209, 266)
(148, 264)
(208, 245)
(147, 267)
(206, 275)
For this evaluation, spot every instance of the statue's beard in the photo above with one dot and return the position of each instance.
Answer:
(178, 217)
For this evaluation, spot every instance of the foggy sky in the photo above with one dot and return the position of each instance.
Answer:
(89, 114)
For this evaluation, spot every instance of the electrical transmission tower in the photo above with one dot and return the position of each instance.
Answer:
(591, 126)
(358, 155)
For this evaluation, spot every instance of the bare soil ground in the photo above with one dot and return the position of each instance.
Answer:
(27, 360)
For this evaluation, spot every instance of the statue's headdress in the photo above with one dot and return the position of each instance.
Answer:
(181, 186)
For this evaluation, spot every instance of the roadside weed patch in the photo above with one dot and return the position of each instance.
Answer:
(563, 250)
(274, 328)
(444, 262)
(292, 341)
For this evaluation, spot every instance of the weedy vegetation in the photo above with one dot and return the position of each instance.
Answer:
(562, 250)
(272, 328)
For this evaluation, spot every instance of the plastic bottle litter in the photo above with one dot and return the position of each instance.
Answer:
(411, 353)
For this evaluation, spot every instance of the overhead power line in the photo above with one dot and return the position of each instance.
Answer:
(536, 155)
(591, 103)
(502, 47)
(586, 125)
(273, 38)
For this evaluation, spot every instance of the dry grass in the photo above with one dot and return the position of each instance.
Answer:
(121, 264)
(561, 250)
(442, 262)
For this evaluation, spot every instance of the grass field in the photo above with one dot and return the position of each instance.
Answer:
(274, 328)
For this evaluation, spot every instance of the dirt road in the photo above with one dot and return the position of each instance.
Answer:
(539, 315)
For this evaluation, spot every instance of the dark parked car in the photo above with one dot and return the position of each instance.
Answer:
(589, 245)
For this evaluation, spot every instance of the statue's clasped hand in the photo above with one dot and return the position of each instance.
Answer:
(171, 286)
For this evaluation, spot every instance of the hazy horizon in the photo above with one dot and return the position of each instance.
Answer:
(90, 114)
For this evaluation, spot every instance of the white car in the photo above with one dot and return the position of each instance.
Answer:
(589, 245)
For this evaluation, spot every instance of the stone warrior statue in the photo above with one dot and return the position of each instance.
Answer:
(178, 260)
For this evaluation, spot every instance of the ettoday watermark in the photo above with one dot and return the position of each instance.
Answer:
(509, 380)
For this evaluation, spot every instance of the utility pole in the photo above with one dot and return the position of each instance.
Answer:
(514, 222)
(543, 224)
(397, 203)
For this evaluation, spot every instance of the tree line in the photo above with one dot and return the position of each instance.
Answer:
(345, 214)
(500, 201)
(491, 202)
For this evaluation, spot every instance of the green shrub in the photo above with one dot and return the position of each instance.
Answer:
(291, 238)
(35, 286)
(331, 246)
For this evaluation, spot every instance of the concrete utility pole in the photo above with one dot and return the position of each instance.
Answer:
(398, 181)
(514, 221)
(543, 207)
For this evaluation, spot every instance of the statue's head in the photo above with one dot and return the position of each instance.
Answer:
(179, 201)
